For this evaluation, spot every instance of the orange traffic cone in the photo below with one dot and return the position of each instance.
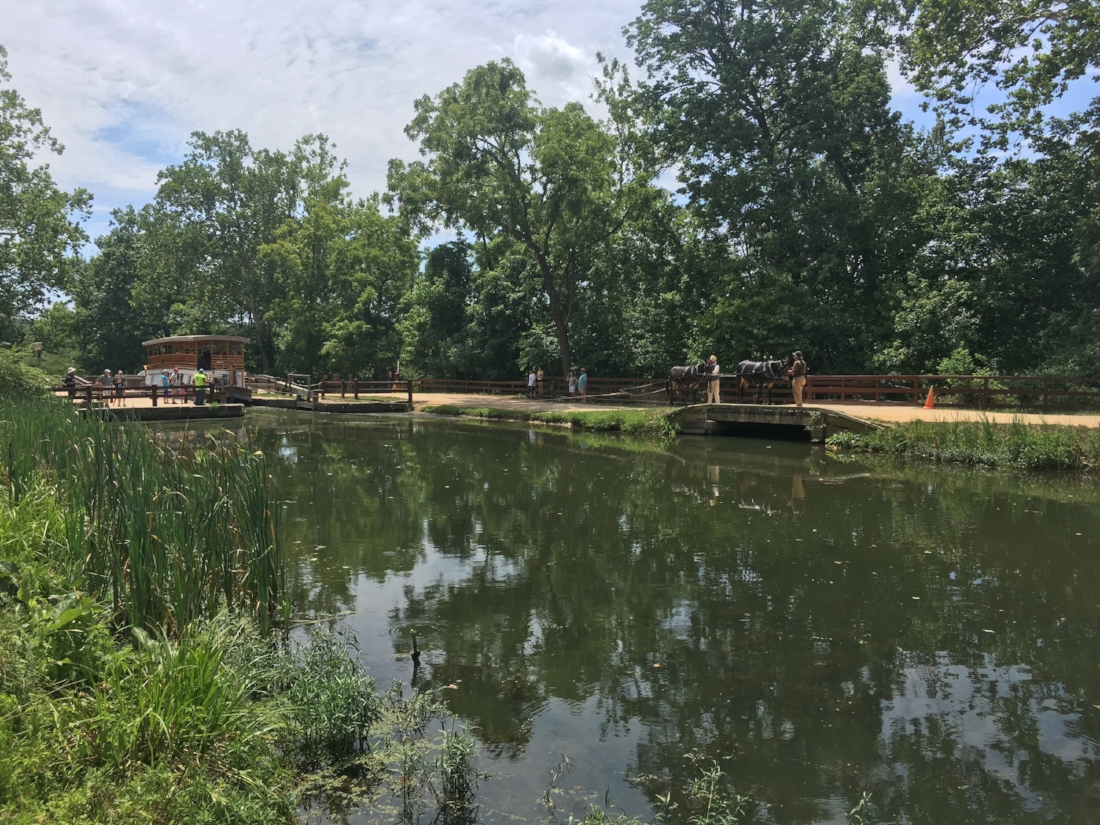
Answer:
(930, 401)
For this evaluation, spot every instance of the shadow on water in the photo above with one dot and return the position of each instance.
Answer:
(821, 628)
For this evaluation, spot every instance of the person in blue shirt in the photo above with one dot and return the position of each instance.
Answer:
(164, 382)
(582, 385)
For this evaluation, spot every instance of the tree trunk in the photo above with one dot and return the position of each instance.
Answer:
(561, 327)
(557, 311)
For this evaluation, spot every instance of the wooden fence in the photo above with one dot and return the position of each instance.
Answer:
(94, 394)
(984, 391)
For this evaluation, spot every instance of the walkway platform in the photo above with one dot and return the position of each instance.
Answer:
(733, 419)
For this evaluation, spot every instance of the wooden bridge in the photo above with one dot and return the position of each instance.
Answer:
(737, 419)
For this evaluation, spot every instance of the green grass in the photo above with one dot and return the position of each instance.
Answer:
(1018, 445)
(636, 422)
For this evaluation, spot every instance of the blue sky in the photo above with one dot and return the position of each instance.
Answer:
(122, 83)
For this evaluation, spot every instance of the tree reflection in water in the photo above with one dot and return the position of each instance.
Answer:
(822, 629)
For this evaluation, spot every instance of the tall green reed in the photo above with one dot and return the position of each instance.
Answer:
(165, 534)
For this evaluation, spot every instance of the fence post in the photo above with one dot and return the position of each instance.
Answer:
(89, 396)
(153, 394)
(343, 387)
(1046, 393)
(985, 393)
(409, 385)
(916, 389)
(355, 387)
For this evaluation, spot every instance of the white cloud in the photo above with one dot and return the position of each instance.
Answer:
(122, 83)
(565, 72)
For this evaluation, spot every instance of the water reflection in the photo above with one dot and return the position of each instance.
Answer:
(822, 629)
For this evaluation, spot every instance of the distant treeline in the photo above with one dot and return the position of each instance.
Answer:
(810, 214)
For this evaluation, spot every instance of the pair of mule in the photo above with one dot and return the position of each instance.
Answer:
(760, 374)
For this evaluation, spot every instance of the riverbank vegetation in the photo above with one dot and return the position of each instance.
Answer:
(1028, 447)
(965, 242)
(141, 678)
(635, 422)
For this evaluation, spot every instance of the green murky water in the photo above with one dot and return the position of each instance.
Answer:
(821, 629)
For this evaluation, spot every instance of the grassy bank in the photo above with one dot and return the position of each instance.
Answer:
(1043, 447)
(140, 680)
(636, 422)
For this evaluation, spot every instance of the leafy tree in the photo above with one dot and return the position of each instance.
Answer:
(433, 312)
(377, 262)
(1031, 51)
(39, 224)
(551, 180)
(109, 321)
(780, 113)
(219, 207)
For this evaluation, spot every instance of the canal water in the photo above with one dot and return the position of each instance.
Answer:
(820, 629)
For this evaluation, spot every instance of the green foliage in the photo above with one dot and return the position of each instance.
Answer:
(332, 703)
(167, 537)
(553, 181)
(1031, 51)
(40, 224)
(110, 320)
(1043, 447)
(17, 379)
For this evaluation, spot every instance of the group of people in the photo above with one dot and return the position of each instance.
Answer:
(577, 385)
(173, 386)
(113, 386)
(796, 372)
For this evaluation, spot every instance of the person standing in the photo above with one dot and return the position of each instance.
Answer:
(200, 388)
(538, 380)
(572, 385)
(798, 378)
(108, 385)
(165, 383)
(174, 383)
(120, 387)
(531, 381)
(582, 385)
(69, 382)
(714, 392)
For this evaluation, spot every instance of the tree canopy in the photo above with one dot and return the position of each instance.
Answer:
(806, 213)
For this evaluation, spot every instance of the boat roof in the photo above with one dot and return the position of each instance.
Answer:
(191, 339)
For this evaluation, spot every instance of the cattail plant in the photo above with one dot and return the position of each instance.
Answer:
(164, 534)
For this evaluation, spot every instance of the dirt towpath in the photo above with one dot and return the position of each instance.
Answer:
(892, 413)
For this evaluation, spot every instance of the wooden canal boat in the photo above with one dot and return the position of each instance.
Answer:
(220, 357)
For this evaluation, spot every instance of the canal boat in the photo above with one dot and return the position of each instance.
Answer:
(221, 357)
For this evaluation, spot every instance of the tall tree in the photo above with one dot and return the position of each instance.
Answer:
(224, 202)
(498, 163)
(40, 229)
(110, 320)
(778, 114)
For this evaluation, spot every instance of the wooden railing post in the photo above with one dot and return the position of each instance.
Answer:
(916, 389)
(409, 384)
(343, 387)
(355, 387)
(89, 396)
(153, 394)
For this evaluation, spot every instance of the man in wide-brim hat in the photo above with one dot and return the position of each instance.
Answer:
(714, 390)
